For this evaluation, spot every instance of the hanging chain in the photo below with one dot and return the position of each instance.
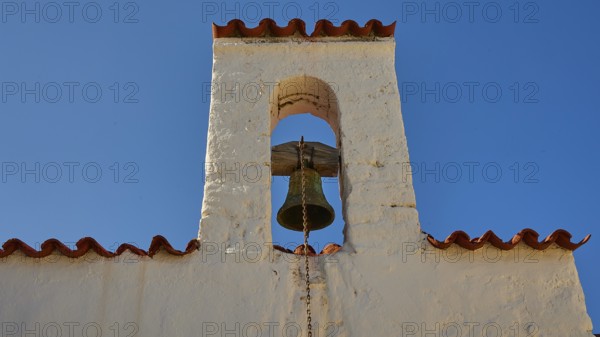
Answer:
(306, 229)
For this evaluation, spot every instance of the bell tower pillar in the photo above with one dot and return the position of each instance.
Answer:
(344, 75)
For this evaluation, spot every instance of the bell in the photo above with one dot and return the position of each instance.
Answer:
(319, 212)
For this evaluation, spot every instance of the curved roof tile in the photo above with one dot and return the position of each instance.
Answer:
(528, 236)
(297, 27)
(86, 244)
(560, 237)
(329, 249)
(158, 243)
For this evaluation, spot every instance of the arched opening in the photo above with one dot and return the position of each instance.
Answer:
(305, 106)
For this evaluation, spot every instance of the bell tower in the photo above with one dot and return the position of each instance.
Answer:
(344, 75)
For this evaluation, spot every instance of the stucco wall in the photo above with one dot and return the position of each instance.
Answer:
(219, 292)
(386, 281)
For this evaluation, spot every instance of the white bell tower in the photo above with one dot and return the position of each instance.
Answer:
(343, 75)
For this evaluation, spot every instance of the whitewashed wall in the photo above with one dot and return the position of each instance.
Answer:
(387, 280)
(222, 293)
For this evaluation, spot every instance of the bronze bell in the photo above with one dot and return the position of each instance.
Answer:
(319, 212)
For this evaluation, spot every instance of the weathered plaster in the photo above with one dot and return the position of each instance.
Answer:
(400, 293)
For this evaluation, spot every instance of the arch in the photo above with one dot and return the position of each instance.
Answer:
(309, 95)
(302, 94)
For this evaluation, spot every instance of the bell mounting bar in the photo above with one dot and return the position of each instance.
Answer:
(325, 159)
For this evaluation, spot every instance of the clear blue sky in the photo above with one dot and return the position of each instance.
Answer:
(487, 87)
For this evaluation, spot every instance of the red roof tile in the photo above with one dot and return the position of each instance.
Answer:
(530, 237)
(560, 237)
(329, 249)
(158, 243)
(86, 244)
(297, 27)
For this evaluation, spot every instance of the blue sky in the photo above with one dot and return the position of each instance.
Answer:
(498, 101)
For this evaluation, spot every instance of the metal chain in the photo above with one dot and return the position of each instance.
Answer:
(306, 230)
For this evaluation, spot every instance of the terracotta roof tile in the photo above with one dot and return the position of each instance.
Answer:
(158, 243)
(560, 237)
(329, 249)
(297, 27)
(86, 244)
